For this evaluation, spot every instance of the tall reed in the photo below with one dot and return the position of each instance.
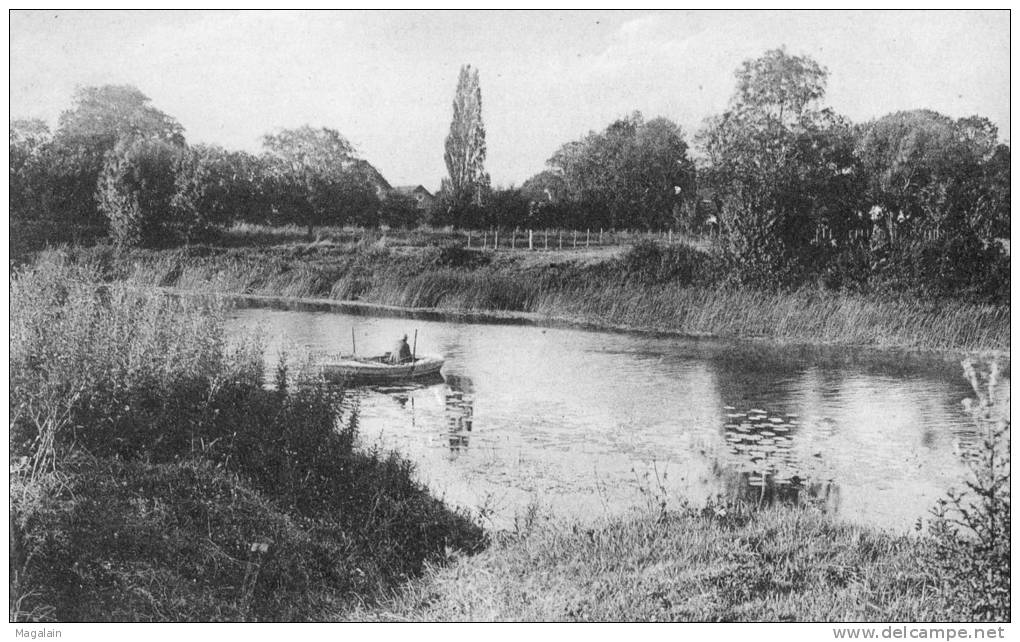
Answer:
(605, 293)
(154, 477)
(78, 349)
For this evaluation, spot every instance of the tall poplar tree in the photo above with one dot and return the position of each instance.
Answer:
(465, 145)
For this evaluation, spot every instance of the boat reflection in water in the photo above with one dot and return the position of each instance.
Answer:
(456, 391)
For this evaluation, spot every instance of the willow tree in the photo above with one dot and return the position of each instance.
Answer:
(465, 145)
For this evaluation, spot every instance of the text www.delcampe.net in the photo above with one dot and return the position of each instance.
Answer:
(903, 632)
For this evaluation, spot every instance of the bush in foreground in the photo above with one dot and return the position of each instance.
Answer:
(971, 528)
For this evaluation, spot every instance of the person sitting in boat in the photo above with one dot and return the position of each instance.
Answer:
(401, 352)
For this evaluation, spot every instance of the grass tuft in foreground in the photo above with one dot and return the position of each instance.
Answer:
(777, 564)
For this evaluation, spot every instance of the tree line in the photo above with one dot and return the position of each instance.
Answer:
(795, 191)
(117, 161)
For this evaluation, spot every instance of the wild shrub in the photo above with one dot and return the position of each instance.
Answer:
(136, 191)
(848, 270)
(960, 266)
(400, 210)
(459, 257)
(971, 528)
(650, 262)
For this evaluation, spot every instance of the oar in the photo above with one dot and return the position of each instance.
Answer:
(414, 349)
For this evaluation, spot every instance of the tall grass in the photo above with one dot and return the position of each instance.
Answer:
(801, 316)
(79, 353)
(154, 477)
(611, 293)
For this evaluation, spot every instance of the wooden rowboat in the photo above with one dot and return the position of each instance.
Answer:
(377, 369)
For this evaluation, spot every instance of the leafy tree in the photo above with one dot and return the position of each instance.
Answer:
(465, 144)
(29, 141)
(399, 210)
(925, 171)
(996, 182)
(315, 179)
(448, 209)
(780, 165)
(224, 187)
(506, 208)
(137, 189)
(635, 173)
(546, 186)
(309, 151)
(100, 118)
(939, 191)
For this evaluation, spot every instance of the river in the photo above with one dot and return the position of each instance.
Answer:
(583, 423)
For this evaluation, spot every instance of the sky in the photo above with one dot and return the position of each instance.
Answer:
(386, 80)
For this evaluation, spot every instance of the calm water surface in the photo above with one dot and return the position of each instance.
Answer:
(588, 423)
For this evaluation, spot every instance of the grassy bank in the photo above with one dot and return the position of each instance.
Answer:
(775, 565)
(740, 563)
(154, 477)
(647, 291)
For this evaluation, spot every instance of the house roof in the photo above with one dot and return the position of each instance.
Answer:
(411, 189)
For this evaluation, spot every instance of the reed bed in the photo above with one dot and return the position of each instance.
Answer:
(808, 317)
(603, 294)
(154, 476)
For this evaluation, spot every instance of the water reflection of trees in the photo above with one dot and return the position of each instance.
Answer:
(766, 490)
(853, 422)
(459, 410)
(760, 465)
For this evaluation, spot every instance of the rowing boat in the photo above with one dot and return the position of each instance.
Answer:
(375, 369)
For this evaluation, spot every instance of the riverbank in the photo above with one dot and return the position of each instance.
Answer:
(778, 564)
(605, 291)
(155, 478)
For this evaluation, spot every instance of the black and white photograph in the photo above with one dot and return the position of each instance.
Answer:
(458, 316)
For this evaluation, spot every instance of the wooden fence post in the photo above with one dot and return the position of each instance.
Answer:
(600, 236)
(485, 239)
(531, 238)
(495, 239)
(587, 238)
(561, 239)
(575, 238)
(547, 239)
(469, 238)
